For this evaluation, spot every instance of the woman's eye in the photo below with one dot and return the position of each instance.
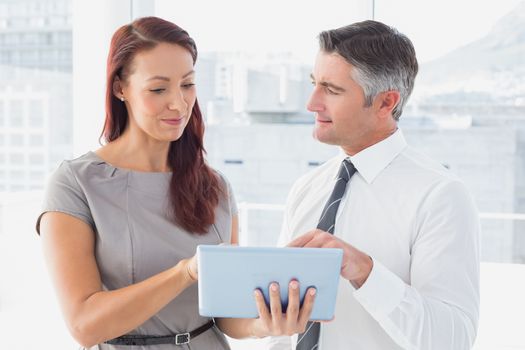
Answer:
(157, 91)
(188, 85)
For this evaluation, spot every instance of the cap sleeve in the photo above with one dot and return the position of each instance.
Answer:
(64, 194)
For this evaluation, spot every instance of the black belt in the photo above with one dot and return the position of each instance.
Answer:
(177, 339)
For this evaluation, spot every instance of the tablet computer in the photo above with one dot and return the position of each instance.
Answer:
(228, 276)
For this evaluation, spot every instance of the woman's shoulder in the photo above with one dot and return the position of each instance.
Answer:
(223, 180)
(86, 166)
(83, 160)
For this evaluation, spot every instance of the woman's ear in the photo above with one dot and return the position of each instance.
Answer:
(117, 88)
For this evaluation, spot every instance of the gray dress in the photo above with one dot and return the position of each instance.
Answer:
(135, 238)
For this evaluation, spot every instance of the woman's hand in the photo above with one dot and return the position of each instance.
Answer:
(191, 268)
(274, 321)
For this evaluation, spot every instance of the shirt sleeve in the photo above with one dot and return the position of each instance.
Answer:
(63, 194)
(439, 309)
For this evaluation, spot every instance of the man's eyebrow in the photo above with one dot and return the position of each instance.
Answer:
(329, 85)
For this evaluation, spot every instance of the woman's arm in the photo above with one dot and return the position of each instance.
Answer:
(93, 315)
(235, 229)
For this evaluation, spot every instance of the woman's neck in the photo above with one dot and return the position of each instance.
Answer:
(137, 153)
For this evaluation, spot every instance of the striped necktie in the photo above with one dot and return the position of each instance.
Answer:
(309, 340)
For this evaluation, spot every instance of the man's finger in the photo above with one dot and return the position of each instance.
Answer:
(302, 240)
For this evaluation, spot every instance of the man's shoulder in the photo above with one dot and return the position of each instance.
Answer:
(421, 166)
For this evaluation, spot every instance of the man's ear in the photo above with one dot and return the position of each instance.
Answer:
(387, 101)
(117, 88)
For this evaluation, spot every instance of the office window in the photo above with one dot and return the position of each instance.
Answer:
(17, 187)
(16, 113)
(36, 159)
(2, 114)
(469, 91)
(17, 175)
(36, 110)
(36, 140)
(16, 159)
(17, 140)
(36, 175)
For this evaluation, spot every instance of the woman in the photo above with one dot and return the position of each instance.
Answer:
(120, 226)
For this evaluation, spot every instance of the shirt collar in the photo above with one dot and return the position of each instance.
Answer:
(372, 160)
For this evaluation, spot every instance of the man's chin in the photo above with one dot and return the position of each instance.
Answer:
(323, 137)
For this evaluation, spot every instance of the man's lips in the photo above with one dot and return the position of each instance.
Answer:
(322, 120)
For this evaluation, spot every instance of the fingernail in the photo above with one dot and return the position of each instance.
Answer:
(273, 287)
(293, 285)
(256, 293)
(312, 291)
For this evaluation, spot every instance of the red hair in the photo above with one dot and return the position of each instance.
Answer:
(194, 188)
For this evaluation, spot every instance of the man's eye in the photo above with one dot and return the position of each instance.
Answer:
(331, 92)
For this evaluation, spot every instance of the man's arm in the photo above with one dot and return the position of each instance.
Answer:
(439, 308)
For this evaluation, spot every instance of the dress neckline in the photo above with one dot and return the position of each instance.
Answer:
(102, 161)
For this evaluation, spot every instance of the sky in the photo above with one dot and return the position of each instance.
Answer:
(435, 27)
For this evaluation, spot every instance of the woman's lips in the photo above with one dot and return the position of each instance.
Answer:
(174, 121)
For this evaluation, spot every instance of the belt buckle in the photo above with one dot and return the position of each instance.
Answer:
(183, 338)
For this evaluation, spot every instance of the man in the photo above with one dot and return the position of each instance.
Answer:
(407, 226)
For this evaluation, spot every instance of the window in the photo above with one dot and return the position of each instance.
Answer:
(2, 114)
(469, 89)
(36, 140)
(17, 140)
(17, 175)
(35, 159)
(16, 159)
(36, 175)
(36, 110)
(16, 113)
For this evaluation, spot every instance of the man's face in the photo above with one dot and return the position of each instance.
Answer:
(338, 103)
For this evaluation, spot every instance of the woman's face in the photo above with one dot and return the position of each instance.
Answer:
(159, 91)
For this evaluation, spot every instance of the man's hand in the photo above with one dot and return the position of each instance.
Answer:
(356, 266)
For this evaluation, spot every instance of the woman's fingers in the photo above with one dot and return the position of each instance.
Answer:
(264, 313)
(306, 309)
(294, 321)
(275, 307)
(292, 311)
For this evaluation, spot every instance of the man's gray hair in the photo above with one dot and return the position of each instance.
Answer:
(383, 59)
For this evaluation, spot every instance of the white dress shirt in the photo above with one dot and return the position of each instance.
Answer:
(421, 228)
